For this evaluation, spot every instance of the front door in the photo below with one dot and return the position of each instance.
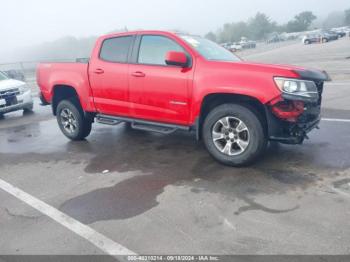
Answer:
(157, 91)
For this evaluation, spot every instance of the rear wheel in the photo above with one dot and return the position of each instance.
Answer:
(234, 135)
(71, 120)
(307, 42)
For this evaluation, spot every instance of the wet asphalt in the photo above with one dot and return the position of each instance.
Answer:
(164, 194)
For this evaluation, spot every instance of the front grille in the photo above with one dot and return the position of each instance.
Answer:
(10, 92)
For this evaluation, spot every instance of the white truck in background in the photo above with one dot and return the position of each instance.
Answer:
(14, 95)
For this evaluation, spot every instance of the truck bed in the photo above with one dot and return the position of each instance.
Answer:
(50, 75)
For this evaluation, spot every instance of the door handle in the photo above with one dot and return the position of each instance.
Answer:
(99, 71)
(138, 74)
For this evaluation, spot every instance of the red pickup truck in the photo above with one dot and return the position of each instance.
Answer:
(162, 82)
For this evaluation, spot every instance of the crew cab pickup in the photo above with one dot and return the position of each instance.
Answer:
(162, 82)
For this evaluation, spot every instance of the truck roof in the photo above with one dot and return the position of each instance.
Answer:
(143, 32)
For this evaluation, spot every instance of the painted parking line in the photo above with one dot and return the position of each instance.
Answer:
(336, 120)
(97, 239)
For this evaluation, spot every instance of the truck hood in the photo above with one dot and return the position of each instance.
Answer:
(301, 72)
(10, 83)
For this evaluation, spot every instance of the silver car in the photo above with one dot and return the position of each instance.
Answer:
(14, 95)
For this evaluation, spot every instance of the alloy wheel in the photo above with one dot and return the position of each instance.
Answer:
(68, 121)
(230, 136)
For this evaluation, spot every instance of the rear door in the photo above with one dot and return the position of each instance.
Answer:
(157, 91)
(109, 75)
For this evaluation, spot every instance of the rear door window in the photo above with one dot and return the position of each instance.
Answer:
(116, 49)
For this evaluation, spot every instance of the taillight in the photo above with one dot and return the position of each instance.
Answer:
(288, 110)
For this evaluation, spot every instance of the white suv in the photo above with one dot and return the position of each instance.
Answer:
(14, 95)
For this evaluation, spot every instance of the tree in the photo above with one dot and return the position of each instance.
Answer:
(226, 34)
(211, 36)
(232, 32)
(334, 19)
(260, 26)
(301, 22)
(293, 26)
(347, 17)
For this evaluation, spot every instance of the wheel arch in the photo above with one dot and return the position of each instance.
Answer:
(213, 100)
(64, 92)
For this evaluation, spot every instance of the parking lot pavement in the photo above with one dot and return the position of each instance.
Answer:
(164, 194)
(337, 97)
(333, 56)
(157, 194)
(16, 118)
(27, 231)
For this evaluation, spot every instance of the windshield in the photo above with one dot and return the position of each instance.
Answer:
(3, 76)
(210, 50)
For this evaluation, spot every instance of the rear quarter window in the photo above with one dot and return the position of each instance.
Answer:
(116, 49)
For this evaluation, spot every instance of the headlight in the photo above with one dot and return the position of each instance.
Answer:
(296, 87)
(23, 88)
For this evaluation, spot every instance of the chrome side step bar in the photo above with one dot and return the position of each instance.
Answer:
(107, 121)
(141, 124)
(153, 128)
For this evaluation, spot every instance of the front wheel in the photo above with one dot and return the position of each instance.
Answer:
(234, 135)
(71, 120)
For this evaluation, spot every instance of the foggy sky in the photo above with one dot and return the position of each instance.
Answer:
(29, 22)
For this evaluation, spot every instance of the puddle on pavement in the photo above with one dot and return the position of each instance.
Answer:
(138, 194)
(126, 199)
(158, 158)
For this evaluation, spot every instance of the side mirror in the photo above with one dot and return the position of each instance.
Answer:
(176, 59)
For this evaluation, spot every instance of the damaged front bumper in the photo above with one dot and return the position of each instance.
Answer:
(294, 130)
(290, 133)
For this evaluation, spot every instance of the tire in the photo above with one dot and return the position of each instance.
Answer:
(77, 127)
(252, 137)
(306, 42)
(87, 130)
(28, 109)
